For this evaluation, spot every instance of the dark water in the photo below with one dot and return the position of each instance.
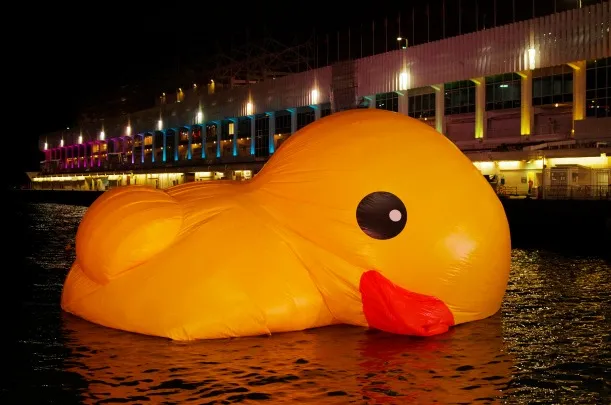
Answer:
(550, 344)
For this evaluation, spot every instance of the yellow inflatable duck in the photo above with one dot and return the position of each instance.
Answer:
(365, 217)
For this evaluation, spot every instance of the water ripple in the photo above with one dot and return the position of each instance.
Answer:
(551, 343)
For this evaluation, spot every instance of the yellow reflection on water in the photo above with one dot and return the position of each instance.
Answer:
(323, 366)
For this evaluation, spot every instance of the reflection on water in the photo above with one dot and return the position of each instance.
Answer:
(550, 344)
(317, 366)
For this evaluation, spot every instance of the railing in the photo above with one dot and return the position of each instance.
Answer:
(577, 192)
(47, 168)
(558, 192)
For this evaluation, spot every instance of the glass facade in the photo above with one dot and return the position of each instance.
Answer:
(283, 122)
(261, 137)
(387, 101)
(325, 109)
(503, 91)
(598, 88)
(304, 118)
(421, 106)
(459, 97)
(554, 88)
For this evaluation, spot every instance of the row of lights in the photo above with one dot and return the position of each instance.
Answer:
(199, 117)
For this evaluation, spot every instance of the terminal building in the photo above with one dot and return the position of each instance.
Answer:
(529, 103)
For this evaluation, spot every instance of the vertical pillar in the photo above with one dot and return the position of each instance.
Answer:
(91, 153)
(189, 145)
(219, 131)
(153, 146)
(271, 131)
(317, 111)
(234, 136)
(204, 132)
(403, 102)
(165, 143)
(134, 148)
(579, 91)
(440, 122)
(143, 148)
(293, 112)
(526, 100)
(372, 101)
(481, 121)
(176, 142)
(253, 127)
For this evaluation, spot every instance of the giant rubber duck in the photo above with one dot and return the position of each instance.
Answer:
(365, 217)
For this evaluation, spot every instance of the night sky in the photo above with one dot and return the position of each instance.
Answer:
(64, 60)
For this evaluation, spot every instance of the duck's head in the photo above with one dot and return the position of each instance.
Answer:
(401, 215)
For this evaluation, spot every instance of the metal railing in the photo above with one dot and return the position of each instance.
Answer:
(562, 192)
(558, 192)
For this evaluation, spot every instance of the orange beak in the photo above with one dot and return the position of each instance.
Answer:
(393, 309)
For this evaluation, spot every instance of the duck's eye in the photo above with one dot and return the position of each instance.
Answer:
(381, 215)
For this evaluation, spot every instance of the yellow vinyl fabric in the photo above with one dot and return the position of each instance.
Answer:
(287, 250)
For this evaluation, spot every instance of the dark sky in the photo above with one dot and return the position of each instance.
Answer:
(65, 59)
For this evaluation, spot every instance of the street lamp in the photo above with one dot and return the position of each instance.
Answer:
(400, 41)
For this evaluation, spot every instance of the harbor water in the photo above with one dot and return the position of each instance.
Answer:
(550, 343)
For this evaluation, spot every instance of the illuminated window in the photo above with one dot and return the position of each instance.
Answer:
(598, 88)
(231, 128)
(196, 136)
(183, 139)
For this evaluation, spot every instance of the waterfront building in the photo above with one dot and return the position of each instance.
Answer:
(529, 103)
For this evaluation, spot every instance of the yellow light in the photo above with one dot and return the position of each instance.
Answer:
(200, 117)
(249, 108)
(46, 146)
(403, 81)
(399, 39)
(102, 135)
(314, 97)
(589, 161)
(61, 143)
(128, 130)
(484, 165)
(531, 58)
(80, 139)
(509, 164)
(160, 125)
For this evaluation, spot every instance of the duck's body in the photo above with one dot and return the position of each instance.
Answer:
(214, 265)
(284, 251)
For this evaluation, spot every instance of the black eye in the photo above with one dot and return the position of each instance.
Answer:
(381, 215)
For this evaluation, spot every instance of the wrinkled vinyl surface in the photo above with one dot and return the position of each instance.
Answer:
(365, 217)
